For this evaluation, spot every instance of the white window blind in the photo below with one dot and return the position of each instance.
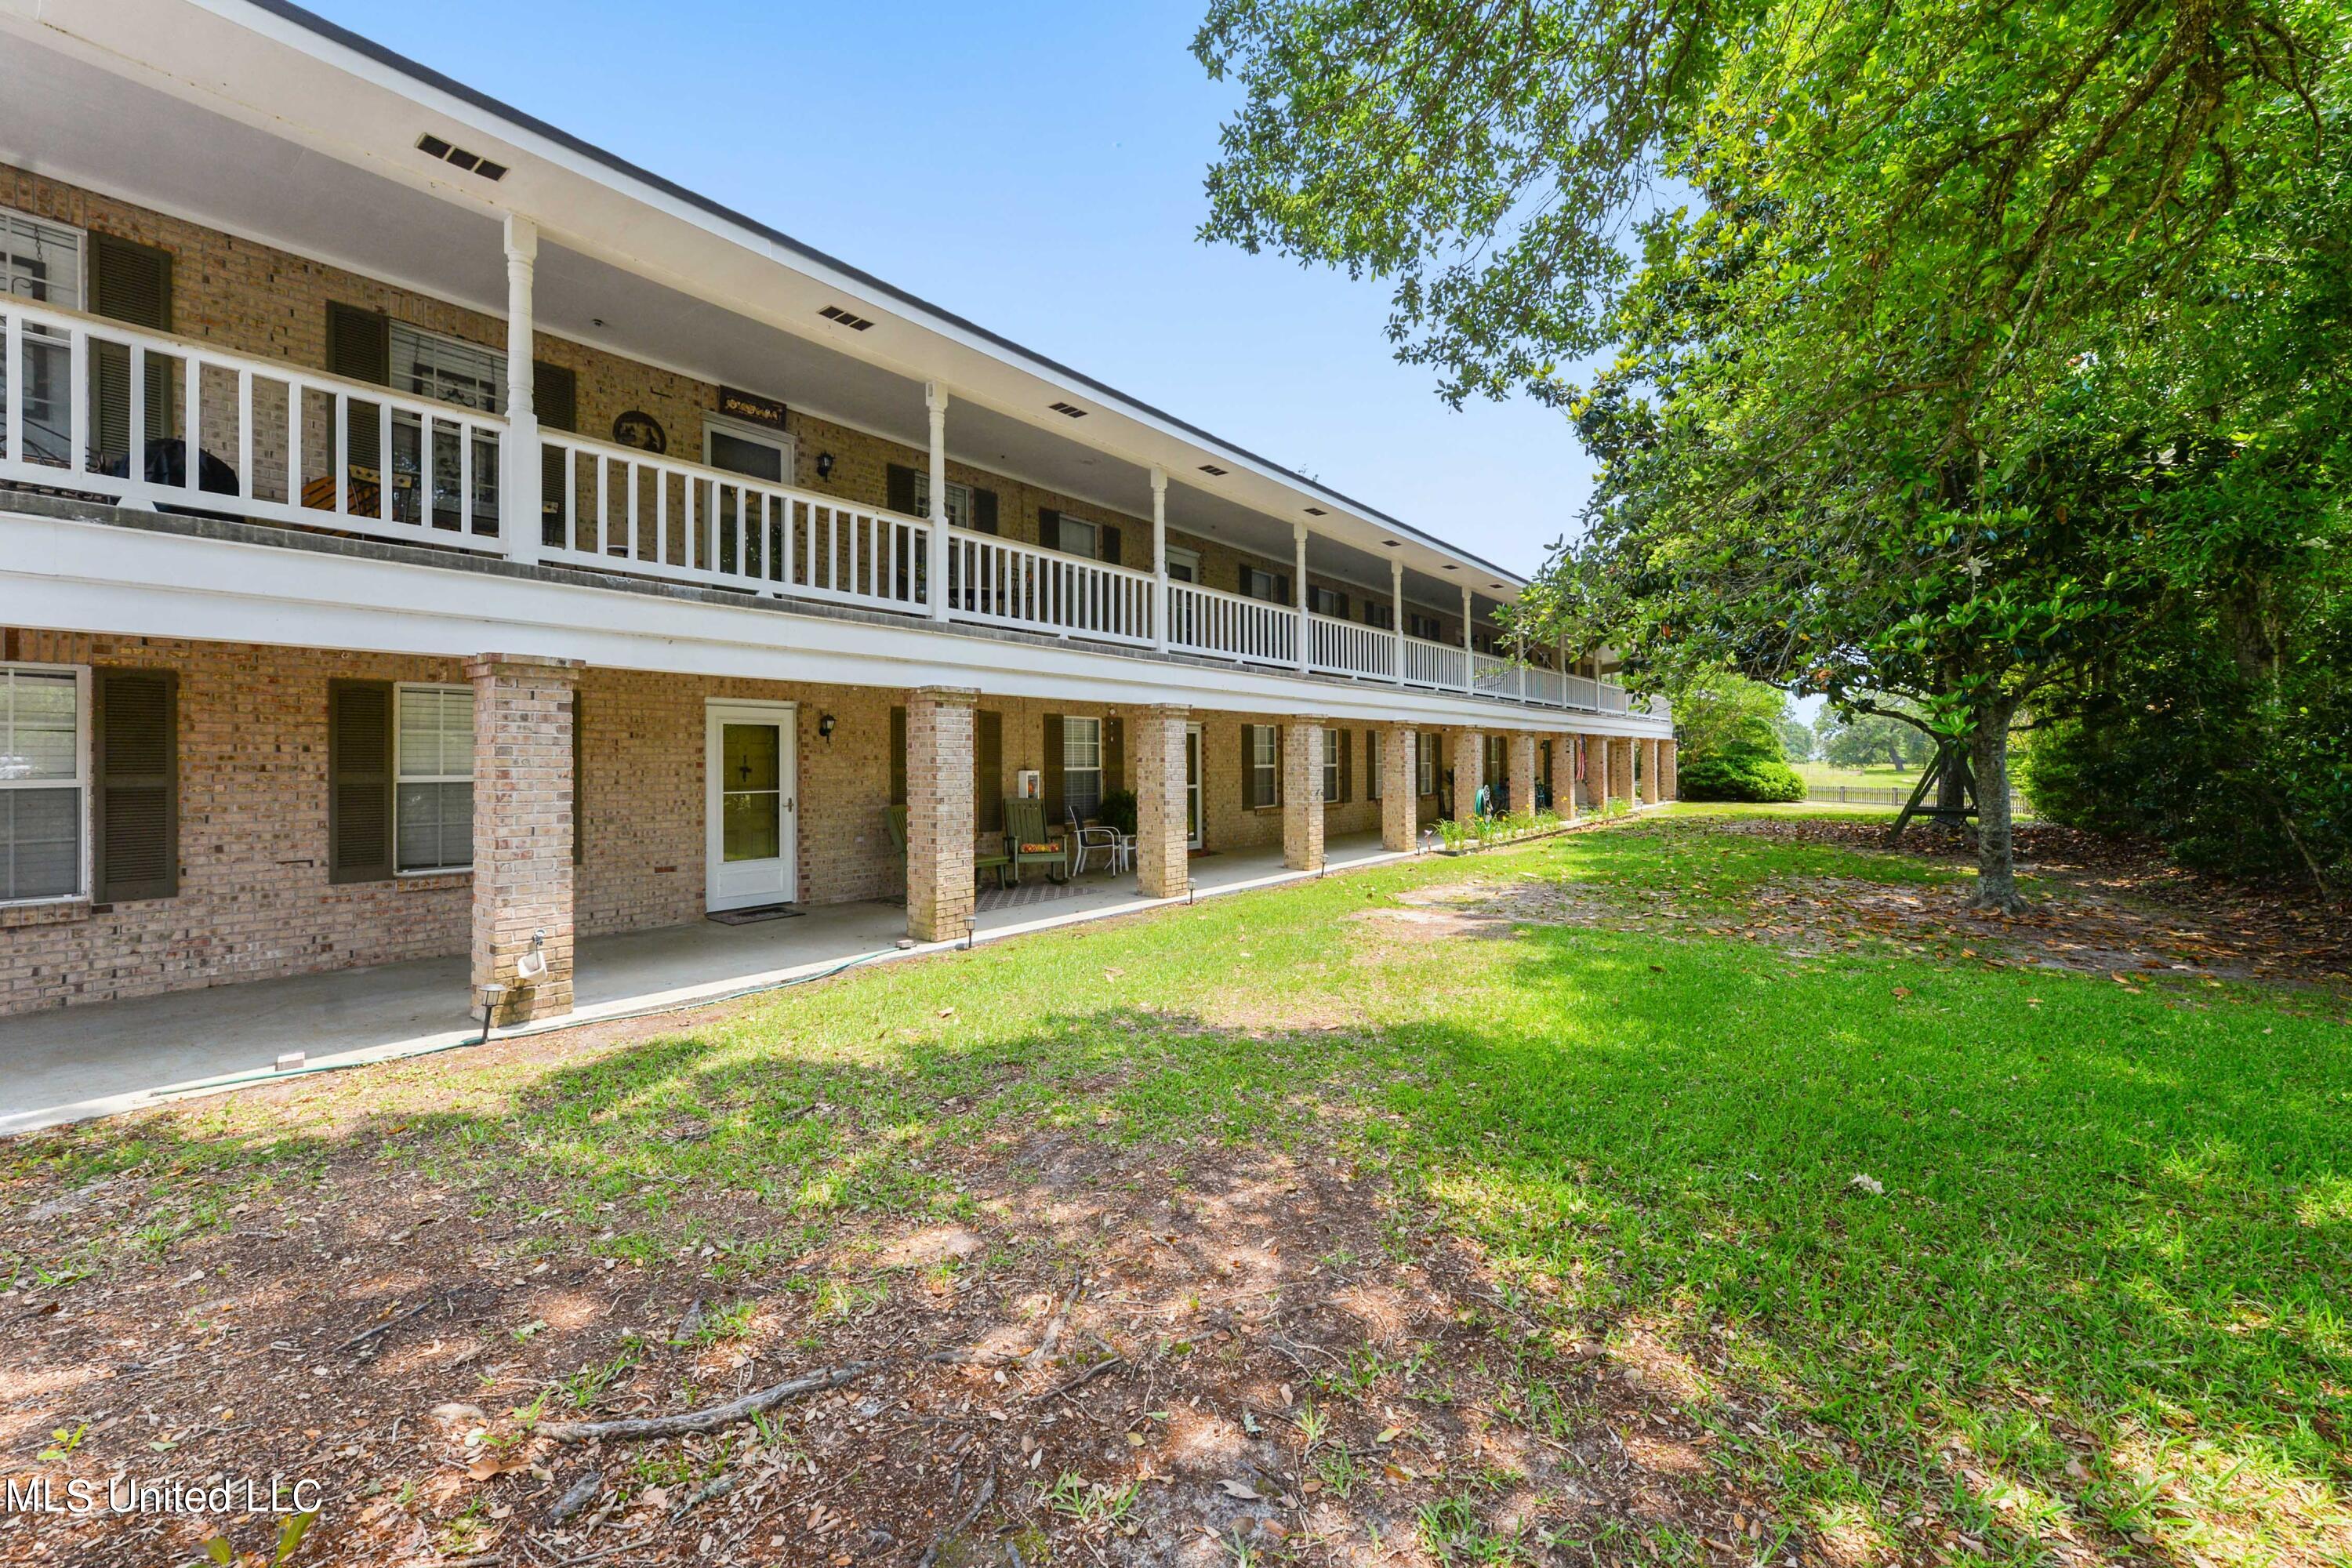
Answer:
(43, 782)
(1082, 766)
(434, 804)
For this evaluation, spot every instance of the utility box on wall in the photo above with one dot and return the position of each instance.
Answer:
(1028, 785)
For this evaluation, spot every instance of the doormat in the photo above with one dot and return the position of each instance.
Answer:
(754, 915)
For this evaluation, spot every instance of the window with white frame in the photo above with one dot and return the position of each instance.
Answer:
(1331, 764)
(44, 781)
(1080, 537)
(1372, 764)
(1261, 585)
(959, 500)
(1326, 602)
(1380, 616)
(1082, 785)
(39, 261)
(1425, 627)
(1427, 764)
(433, 804)
(1265, 765)
(751, 450)
(1183, 565)
(447, 369)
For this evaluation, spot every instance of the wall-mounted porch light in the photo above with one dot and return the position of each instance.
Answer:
(825, 465)
(824, 726)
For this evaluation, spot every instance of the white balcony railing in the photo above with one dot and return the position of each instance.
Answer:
(618, 508)
(96, 407)
(1344, 648)
(1433, 664)
(1228, 625)
(89, 406)
(1004, 584)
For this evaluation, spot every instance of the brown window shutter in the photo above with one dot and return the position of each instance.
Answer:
(988, 771)
(1110, 543)
(130, 282)
(1053, 769)
(1249, 787)
(359, 781)
(555, 396)
(899, 489)
(1282, 594)
(579, 782)
(983, 511)
(1347, 766)
(135, 768)
(897, 756)
(359, 343)
(1114, 753)
(1049, 528)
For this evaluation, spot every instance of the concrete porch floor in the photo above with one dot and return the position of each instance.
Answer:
(73, 1063)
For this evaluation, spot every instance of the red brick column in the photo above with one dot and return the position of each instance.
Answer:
(1162, 858)
(1399, 807)
(1621, 769)
(1670, 770)
(1563, 776)
(1302, 794)
(939, 812)
(1520, 749)
(1469, 749)
(522, 832)
(1649, 772)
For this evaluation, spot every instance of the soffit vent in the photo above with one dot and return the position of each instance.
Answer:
(1067, 410)
(432, 146)
(1317, 511)
(850, 318)
(1213, 471)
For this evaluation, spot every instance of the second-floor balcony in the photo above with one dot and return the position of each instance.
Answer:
(90, 407)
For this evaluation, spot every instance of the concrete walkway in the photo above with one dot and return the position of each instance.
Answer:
(74, 1063)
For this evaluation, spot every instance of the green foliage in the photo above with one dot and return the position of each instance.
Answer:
(1118, 810)
(1864, 740)
(1741, 772)
(1718, 710)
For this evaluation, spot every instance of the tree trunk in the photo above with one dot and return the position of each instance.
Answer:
(1996, 866)
(1951, 785)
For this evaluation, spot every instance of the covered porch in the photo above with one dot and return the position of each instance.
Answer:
(73, 1063)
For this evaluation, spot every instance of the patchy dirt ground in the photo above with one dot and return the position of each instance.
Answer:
(1156, 1356)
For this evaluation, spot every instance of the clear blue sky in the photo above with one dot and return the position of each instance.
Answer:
(1037, 169)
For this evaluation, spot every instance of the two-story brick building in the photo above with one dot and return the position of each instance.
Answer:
(420, 531)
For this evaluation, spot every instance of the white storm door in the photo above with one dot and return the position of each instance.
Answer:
(753, 805)
(1193, 786)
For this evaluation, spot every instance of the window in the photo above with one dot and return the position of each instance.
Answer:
(44, 781)
(447, 369)
(40, 261)
(1082, 766)
(1425, 627)
(1078, 537)
(1427, 764)
(747, 449)
(1183, 565)
(1263, 765)
(1380, 616)
(959, 500)
(1326, 602)
(1372, 764)
(1330, 766)
(433, 803)
(1257, 584)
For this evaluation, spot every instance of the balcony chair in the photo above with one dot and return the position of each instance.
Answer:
(1026, 842)
(981, 860)
(1086, 839)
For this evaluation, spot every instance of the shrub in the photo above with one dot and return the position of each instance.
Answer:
(1739, 772)
(1118, 810)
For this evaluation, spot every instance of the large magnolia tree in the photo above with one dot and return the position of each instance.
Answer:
(1877, 319)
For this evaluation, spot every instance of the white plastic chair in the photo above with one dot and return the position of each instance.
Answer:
(1086, 839)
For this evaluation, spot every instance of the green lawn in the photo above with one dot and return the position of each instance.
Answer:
(1878, 776)
(2095, 1286)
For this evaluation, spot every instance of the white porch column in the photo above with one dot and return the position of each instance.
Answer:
(1469, 649)
(520, 509)
(935, 398)
(1396, 599)
(1158, 557)
(1306, 627)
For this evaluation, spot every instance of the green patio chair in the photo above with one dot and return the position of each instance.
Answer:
(982, 861)
(1026, 841)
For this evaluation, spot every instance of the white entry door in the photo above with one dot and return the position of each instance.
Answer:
(753, 805)
(1192, 785)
